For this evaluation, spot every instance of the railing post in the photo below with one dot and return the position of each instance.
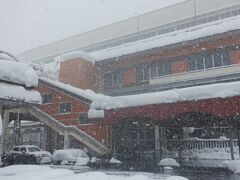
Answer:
(66, 140)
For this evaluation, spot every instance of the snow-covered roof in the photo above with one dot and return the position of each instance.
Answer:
(221, 90)
(19, 93)
(18, 73)
(193, 33)
(75, 55)
(86, 94)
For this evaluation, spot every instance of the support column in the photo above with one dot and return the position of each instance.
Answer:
(5, 120)
(163, 142)
(66, 140)
(44, 143)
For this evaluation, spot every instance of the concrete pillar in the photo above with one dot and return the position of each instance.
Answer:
(44, 143)
(5, 120)
(163, 142)
(17, 126)
(66, 140)
(157, 138)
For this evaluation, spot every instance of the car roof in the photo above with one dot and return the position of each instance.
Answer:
(25, 146)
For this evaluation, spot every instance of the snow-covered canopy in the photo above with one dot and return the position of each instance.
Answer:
(180, 36)
(19, 93)
(221, 90)
(18, 73)
(102, 102)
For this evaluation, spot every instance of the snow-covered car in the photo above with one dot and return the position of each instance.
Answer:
(27, 154)
(66, 156)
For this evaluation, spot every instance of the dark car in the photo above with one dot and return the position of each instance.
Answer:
(25, 155)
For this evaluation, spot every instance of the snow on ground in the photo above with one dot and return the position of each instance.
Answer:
(19, 93)
(188, 34)
(30, 172)
(19, 73)
(232, 165)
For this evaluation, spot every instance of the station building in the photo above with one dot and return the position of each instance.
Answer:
(193, 43)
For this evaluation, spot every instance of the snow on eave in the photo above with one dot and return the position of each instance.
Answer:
(193, 33)
(221, 90)
(75, 55)
(85, 94)
(18, 93)
(18, 73)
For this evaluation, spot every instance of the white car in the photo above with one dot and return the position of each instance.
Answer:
(66, 156)
(41, 155)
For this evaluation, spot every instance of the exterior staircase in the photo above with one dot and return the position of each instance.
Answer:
(73, 131)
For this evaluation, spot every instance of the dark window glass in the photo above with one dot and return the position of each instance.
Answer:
(113, 79)
(65, 108)
(226, 58)
(144, 72)
(217, 59)
(46, 98)
(108, 80)
(83, 118)
(16, 149)
(191, 64)
(163, 68)
(23, 149)
(153, 70)
(199, 62)
(208, 61)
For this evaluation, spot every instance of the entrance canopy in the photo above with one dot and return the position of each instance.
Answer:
(215, 104)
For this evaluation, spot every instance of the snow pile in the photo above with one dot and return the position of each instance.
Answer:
(29, 172)
(232, 165)
(51, 70)
(71, 155)
(18, 73)
(168, 162)
(115, 161)
(180, 36)
(19, 93)
(221, 90)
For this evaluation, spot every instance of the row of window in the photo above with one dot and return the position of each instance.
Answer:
(65, 108)
(145, 72)
(183, 24)
(209, 60)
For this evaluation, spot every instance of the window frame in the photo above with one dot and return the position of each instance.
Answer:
(60, 104)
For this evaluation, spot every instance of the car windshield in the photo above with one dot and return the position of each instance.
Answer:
(33, 149)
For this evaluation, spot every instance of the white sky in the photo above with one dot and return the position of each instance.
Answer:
(26, 24)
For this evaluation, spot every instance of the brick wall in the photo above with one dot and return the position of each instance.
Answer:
(78, 73)
(179, 66)
(235, 56)
(96, 130)
(130, 76)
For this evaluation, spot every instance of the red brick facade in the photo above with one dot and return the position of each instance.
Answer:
(97, 129)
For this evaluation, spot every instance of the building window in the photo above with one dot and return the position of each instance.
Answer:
(83, 118)
(143, 72)
(65, 108)
(113, 79)
(208, 60)
(46, 98)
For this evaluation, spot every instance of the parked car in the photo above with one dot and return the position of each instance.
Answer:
(70, 156)
(26, 154)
